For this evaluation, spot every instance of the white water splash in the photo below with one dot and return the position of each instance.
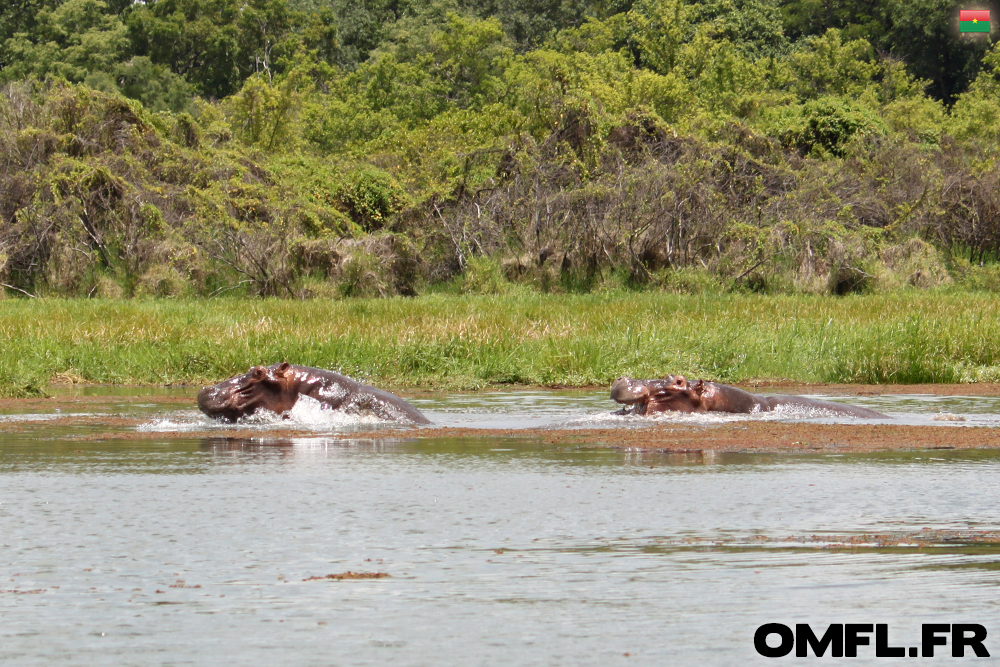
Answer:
(178, 422)
(307, 413)
(570, 410)
(310, 413)
(782, 413)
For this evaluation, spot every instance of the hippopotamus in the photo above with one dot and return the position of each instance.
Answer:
(675, 393)
(278, 387)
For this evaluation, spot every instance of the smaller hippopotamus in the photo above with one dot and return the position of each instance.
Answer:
(675, 393)
(278, 387)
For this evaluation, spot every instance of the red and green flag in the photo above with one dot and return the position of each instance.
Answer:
(974, 20)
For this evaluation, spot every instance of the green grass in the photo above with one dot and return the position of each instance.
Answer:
(458, 342)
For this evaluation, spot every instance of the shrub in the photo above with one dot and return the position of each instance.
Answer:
(484, 275)
(915, 263)
(829, 123)
(362, 274)
(985, 278)
(370, 197)
(161, 281)
(851, 280)
(689, 280)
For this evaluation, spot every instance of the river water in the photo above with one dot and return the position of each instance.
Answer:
(176, 550)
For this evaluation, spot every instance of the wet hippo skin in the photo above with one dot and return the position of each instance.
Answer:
(277, 388)
(675, 393)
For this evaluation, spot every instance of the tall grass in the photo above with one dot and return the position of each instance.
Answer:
(522, 338)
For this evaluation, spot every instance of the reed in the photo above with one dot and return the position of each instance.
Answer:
(468, 342)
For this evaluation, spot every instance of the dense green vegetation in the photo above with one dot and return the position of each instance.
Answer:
(325, 148)
(526, 338)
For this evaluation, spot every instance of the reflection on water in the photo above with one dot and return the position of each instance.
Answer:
(498, 550)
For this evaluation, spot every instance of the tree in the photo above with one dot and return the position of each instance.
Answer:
(529, 22)
(658, 29)
(857, 19)
(76, 39)
(923, 35)
(827, 65)
(154, 85)
(19, 16)
(753, 26)
(360, 25)
(214, 44)
(464, 56)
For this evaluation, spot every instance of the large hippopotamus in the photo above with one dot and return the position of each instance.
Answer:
(278, 387)
(675, 393)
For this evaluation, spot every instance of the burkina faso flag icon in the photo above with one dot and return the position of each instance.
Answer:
(974, 20)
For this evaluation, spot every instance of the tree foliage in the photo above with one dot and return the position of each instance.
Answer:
(275, 147)
(73, 40)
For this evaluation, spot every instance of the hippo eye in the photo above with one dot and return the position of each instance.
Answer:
(258, 373)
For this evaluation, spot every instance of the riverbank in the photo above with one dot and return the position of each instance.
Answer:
(740, 437)
(475, 342)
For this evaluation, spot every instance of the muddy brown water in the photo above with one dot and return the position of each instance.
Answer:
(514, 530)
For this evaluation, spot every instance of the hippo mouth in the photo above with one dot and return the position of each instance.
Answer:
(219, 402)
(672, 393)
(228, 403)
(629, 391)
(241, 396)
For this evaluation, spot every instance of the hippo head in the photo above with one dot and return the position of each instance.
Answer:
(270, 388)
(672, 393)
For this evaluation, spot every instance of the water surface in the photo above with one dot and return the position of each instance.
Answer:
(498, 550)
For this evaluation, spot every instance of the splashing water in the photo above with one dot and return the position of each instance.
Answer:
(307, 413)
(581, 410)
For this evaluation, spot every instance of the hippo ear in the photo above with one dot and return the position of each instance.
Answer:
(283, 369)
(698, 387)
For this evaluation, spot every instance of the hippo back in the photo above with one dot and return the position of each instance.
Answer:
(723, 398)
(343, 393)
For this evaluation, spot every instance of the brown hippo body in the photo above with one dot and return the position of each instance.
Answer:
(277, 388)
(675, 393)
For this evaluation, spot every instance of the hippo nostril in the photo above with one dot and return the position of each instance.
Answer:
(627, 390)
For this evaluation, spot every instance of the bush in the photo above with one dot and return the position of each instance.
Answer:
(914, 263)
(980, 278)
(689, 280)
(484, 275)
(161, 281)
(363, 275)
(370, 197)
(828, 124)
(851, 280)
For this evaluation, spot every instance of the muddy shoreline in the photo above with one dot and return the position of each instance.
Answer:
(743, 437)
(734, 437)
